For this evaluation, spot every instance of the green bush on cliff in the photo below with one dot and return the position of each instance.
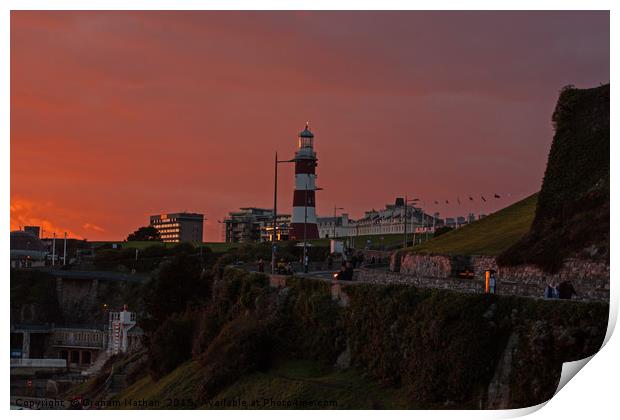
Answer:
(179, 283)
(170, 345)
(434, 343)
(444, 347)
(311, 324)
(242, 346)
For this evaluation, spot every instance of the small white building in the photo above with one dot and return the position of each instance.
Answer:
(121, 337)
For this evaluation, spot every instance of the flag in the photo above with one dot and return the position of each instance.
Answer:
(497, 196)
(471, 198)
(447, 202)
(483, 199)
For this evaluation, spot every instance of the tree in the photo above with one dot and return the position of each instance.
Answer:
(145, 233)
(179, 283)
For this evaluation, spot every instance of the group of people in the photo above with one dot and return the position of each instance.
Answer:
(282, 267)
(346, 272)
(564, 290)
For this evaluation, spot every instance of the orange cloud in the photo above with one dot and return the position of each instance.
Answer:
(26, 212)
(92, 226)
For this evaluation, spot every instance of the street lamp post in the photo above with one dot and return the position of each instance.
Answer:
(54, 249)
(407, 201)
(275, 212)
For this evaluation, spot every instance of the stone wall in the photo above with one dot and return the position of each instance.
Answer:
(521, 281)
(365, 275)
(382, 257)
(438, 266)
(590, 278)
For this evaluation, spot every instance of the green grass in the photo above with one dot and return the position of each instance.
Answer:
(287, 382)
(489, 236)
(221, 246)
(179, 384)
(389, 241)
(215, 246)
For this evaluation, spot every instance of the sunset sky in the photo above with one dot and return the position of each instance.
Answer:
(119, 115)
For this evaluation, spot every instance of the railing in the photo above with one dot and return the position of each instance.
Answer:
(99, 344)
(39, 363)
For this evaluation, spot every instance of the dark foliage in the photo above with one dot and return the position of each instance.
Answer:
(440, 347)
(311, 324)
(444, 347)
(244, 345)
(34, 298)
(145, 233)
(170, 345)
(180, 283)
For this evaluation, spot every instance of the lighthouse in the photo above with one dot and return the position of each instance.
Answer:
(303, 224)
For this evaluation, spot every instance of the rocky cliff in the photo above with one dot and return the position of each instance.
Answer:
(572, 214)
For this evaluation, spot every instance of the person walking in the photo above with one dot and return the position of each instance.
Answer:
(261, 266)
(551, 291)
(354, 261)
(492, 284)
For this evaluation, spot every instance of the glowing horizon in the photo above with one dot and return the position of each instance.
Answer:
(116, 116)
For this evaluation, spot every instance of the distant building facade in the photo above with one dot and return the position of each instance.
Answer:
(179, 227)
(334, 227)
(392, 219)
(33, 230)
(27, 250)
(283, 225)
(79, 345)
(255, 224)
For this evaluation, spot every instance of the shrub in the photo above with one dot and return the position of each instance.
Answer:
(244, 345)
(180, 283)
(170, 346)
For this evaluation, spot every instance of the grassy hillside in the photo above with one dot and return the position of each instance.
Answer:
(489, 236)
(288, 382)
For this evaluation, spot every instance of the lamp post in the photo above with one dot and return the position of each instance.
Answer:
(275, 211)
(64, 256)
(53, 249)
(407, 201)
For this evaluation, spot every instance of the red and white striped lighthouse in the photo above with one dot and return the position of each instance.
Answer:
(303, 224)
